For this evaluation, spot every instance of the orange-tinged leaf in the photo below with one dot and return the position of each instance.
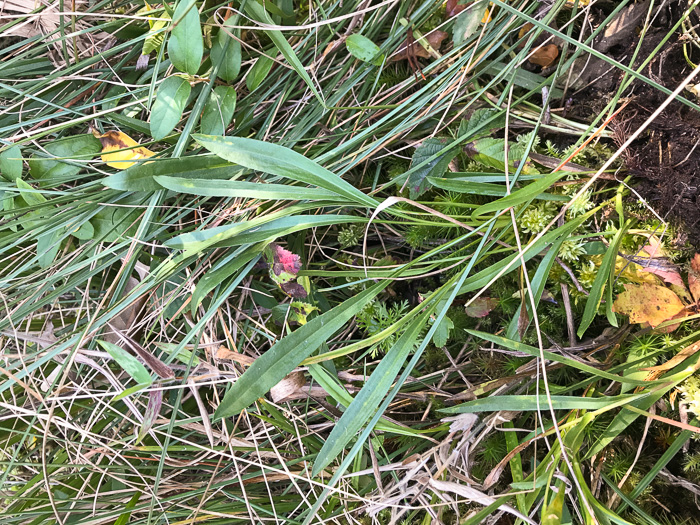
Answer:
(120, 151)
(648, 303)
(544, 56)
(694, 277)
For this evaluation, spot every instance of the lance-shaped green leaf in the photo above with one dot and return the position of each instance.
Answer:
(251, 190)
(281, 161)
(286, 354)
(186, 45)
(531, 403)
(258, 72)
(367, 400)
(526, 194)
(171, 100)
(128, 362)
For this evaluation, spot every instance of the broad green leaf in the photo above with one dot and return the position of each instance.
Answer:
(285, 355)
(363, 48)
(11, 163)
(367, 400)
(442, 333)
(140, 177)
(526, 194)
(256, 230)
(531, 403)
(29, 195)
(171, 100)
(417, 180)
(417, 183)
(552, 514)
(482, 122)
(117, 221)
(47, 247)
(80, 148)
(283, 162)
(251, 190)
(468, 21)
(258, 13)
(186, 45)
(128, 362)
(85, 232)
(226, 51)
(491, 152)
(258, 72)
(218, 111)
(484, 188)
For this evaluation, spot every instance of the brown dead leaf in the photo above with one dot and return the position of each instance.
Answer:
(694, 277)
(288, 388)
(225, 353)
(544, 56)
(677, 359)
(648, 303)
(453, 8)
(434, 39)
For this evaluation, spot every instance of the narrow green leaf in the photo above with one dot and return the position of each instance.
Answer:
(226, 51)
(186, 45)
(218, 111)
(367, 400)
(526, 194)
(11, 163)
(258, 72)
(128, 362)
(551, 356)
(222, 271)
(251, 190)
(363, 48)
(484, 188)
(281, 161)
(171, 100)
(531, 403)
(605, 275)
(258, 12)
(285, 355)
(141, 177)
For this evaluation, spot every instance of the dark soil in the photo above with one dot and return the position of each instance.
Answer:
(665, 160)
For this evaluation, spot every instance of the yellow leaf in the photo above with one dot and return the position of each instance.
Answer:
(120, 151)
(648, 303)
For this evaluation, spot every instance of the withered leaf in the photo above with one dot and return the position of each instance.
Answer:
(648, 303)
(694, 277)
(544, 56)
